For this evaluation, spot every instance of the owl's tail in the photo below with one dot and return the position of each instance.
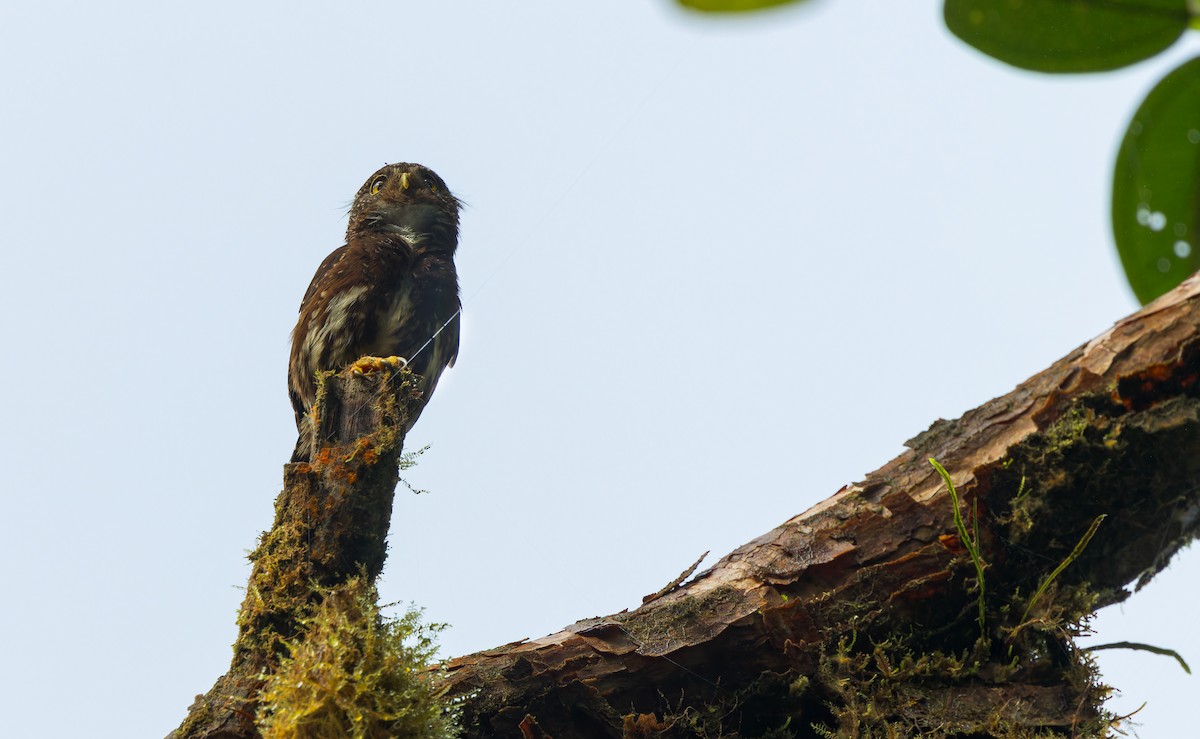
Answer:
(303, 450)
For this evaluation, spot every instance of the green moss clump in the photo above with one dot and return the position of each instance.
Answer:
(356, 673)
(675, 622)
(892, 692)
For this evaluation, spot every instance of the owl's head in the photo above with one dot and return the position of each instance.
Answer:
(405, 198)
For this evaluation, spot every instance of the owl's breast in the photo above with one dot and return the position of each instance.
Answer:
(398, 317)
(410, 314)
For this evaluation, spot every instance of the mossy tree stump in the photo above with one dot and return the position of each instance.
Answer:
(331, 524)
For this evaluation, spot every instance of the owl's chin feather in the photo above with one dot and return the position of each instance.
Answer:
(409, 220)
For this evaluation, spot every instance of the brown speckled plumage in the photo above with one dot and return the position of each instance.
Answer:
(386, 292)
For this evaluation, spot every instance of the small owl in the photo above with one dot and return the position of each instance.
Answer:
(386, 293)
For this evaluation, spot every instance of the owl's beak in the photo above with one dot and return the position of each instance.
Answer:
(404, 181)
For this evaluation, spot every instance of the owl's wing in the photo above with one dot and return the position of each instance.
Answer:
(297, 361)
(452, 338)
(437, 355)
(334, 257)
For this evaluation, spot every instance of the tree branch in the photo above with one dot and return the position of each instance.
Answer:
(859, 616)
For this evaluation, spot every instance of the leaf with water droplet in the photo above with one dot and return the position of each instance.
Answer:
(1156, 183)
(1075, 36)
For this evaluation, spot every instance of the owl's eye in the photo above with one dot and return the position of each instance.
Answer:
(377, 184)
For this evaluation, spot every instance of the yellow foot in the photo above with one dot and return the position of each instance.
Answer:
(374, 364)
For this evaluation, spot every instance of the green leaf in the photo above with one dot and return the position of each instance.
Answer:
(1156, 202)
(732, 6)
(1068, 35)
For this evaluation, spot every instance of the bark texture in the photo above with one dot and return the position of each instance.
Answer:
(331, 523)
(859, 617)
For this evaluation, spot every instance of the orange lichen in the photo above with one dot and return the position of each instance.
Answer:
(952, 543)
(323, 457)
(637, 726)
(1146, 388)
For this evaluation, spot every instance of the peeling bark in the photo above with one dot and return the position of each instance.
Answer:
(858, 616)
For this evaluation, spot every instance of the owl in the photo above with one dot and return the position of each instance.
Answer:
(389, 295)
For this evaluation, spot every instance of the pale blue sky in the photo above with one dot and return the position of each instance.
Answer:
(712, 271)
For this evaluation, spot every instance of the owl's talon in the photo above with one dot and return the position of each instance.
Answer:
(365, 365)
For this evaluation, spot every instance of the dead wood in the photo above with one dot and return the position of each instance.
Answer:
(858, 617)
